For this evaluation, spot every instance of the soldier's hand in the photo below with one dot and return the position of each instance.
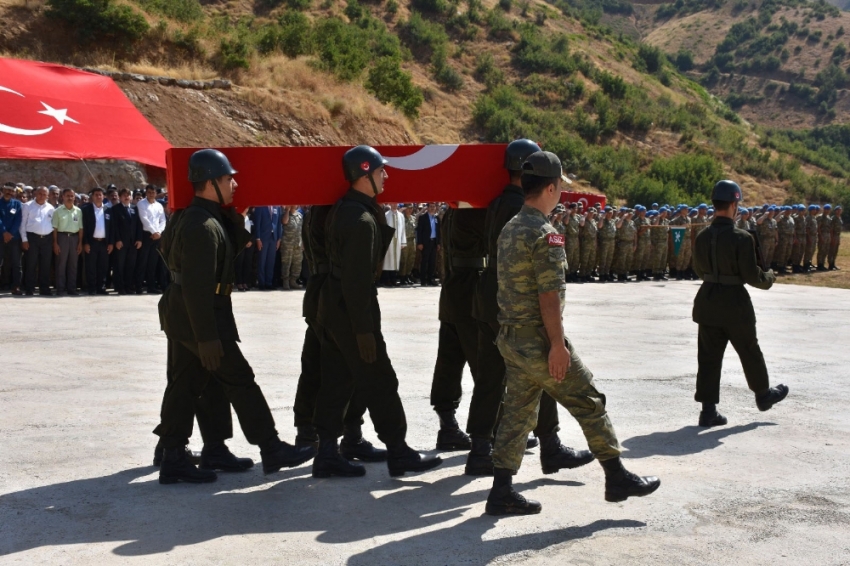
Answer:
(559, 361)
(368, 347)
(210, 353)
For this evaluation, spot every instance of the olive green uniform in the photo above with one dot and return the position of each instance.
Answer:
(625, 247)
(641, 261)
(785, 227)
(835, 238)
(607, 239)
(587, 237)
(824, 226)
(811, 238)
(531, 262)
(723, 308)
(799, 245)
(768, 234)
(658, 235)
(200, 246)
(571, 231)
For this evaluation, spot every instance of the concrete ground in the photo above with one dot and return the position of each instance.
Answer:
(81, 381)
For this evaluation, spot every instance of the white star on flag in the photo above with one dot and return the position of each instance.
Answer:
(60, 115)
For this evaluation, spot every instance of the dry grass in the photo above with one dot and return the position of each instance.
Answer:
(835, 279)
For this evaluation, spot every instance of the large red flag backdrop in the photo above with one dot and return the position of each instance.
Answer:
(54, 112)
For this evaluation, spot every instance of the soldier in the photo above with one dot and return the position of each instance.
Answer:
(743, 221)
(357, 238)
(799, 245)
(571, 231)
(607, 239)
(465, 244)
(768, 236)
(725, 259)
(659, 233)
(785, 227)
(640, 263)
(537, 354)
(558, 218)
(835, 238)
(290, 248)
(824, 224)
(200, 247)
(484, 408)
(683, 259)
(625, 246)
(408, 252)
(587, 239)
(811, 236)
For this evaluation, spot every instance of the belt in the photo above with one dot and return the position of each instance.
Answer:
(34, 235)
(322, 268)
(69, 233)
(523, 331)
(470, 262)
(99, 239)
(723, 279)
(177, 279)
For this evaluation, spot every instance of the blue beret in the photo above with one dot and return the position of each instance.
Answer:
(771, 207)
(743, 210)
(711, 209)
(693, 212)
(837, 206)
(703, 206)
(655, 204)
(813, 207)
(827, 205)
(652, 213)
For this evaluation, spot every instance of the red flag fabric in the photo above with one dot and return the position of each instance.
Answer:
(53, 112)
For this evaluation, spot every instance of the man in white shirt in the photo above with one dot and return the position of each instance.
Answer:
(152, 216)
(37, 241)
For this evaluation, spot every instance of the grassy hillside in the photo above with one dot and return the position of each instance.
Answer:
(626, 117)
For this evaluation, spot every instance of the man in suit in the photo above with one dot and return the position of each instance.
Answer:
(268, 231)
(127, 236)
(97, 241)
(428, 238)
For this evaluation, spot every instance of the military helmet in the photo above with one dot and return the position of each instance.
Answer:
(559, 209)
(209, 164)
(360, 161)
(517, 152)
(727, 191)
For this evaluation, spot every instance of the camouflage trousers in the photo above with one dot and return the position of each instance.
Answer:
(809, 254)
(683, 260)
(408, 256)
(290, 261)
(767, 253)
(605, 256)
(782, 253)
(527, 377)
(641, 256)
(623, 257)
(833, 249)
(588, 258)
(824, 243)
(796, 252)
(573, 256)
(659, 257)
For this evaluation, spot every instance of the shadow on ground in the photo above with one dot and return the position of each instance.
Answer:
(142, 518)
(686, 440)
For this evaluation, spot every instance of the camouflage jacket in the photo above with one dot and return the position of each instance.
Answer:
(608, 232)
(837, 225)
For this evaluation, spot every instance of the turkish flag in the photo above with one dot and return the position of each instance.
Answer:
(54, 112)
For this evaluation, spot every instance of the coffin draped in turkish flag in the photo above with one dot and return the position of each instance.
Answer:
(54, 112)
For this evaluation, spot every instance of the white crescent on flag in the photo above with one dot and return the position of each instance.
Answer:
(6, 129)
(427, 157)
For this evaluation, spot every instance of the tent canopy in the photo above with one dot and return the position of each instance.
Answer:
(53, 112)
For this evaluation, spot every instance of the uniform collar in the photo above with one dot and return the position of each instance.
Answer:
(212, 207)
(534, 212)
(722, 220)
(361, 198)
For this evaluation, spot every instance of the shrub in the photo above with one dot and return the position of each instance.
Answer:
(390, 84)
(650, 58)
(691, 174)
(234, 54)
(423, 37)
(611, 84)
(392, 7)
(342, 49)
(445, 74)
(100, 19)
(430, 6)
(295, 34)
(506, 5)
(684, 60)
(487, 72)
(182, 10)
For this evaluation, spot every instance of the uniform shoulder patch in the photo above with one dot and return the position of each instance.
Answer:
(556, 240)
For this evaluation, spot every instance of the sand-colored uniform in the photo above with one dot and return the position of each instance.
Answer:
(625, 247)
(782, 255)
(824, 224)
(607, 238)
(835, 242)
(811, 238)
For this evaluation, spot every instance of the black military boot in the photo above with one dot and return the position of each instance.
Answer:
(554, 456)
(217, 456)
(307, 437)
(674, 274)
(532, 442)
(277, 454)
(821, 267)
(402, 459)
(479, 461)
(194, 457)
(832, 267)
(355, 447)
(774, 266)
(769, 398)
(647, 275)
(176, 467)
(709, 416)
(504, 500)
(620, 484)
(450, 437)
(330, 463)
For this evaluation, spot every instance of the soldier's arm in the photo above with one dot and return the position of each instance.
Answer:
(548, 259)
(200, 243)
(357, 276)
(748, 266)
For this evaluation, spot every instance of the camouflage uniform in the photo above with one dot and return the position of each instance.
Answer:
(408, 252)
(607, 237)
(625, 247)
(290, 250)
(572, 229)
(824, 226)
(837, 226)
(811, 238)
(641, 261)
(786, 240)
(531, 260)
(587, 237)
(683, 259)
(767, 231)
(799, 245)
(658, 235)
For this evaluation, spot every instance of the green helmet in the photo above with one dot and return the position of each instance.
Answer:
(517, 152)
(727, 191)
(209, 164)
(360, 161)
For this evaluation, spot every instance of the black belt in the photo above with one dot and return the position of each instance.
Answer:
(34, 235)
(470, 262)
(323, 268)
(177, 279)
(723, 279)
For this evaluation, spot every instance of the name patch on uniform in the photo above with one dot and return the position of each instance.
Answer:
(556, 240)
